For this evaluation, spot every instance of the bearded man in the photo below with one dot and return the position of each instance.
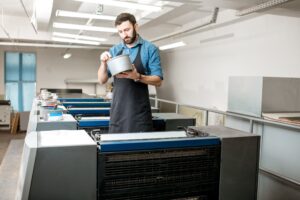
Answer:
(130, 108)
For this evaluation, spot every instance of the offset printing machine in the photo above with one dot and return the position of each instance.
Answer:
(47, 114)
(155, 165)
(93, 124)
(100, 111)
(92, 121)
(85, 104)
(161, 122)
(81, 104)
(171, 121)
(62, 99)
(43, 118)
(162, 165)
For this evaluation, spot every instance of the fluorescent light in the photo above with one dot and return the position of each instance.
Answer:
(28, 44)
(83, 27)
(171, 46)
(220, 37)
(43, 10)
(67, 55)
(79, 36)
(262, 6)
(123, 4)
(63, 13)
(75, 41)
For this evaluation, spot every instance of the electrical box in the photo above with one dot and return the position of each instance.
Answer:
(5, 114)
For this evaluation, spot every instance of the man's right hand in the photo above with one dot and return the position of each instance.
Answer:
(105, 56)
(102, 71)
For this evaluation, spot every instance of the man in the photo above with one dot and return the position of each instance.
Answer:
(131, 110)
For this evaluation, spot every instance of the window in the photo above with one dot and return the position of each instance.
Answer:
(20, 79)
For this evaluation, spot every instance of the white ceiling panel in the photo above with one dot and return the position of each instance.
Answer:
(174, 16)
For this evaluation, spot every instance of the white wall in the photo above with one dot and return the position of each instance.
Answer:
(197, 74)
(52, 69)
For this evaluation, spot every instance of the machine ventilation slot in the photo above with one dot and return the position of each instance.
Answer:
(4, 125)
(191, 173)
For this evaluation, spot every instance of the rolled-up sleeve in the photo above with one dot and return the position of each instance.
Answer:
(112, 53)
(154, 64)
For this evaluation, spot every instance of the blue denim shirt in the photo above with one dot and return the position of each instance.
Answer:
(149, 55)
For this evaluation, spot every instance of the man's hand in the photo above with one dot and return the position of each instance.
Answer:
(102, 71)
(133, 74)
(105, 56)
(136, 76)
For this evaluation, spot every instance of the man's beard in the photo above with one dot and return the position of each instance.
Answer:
(132, 39)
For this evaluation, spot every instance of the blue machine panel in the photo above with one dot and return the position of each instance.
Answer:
(134, 145)
(81, 99)
(93, 123)
(87, 111)
(86, 104)
(158, 124)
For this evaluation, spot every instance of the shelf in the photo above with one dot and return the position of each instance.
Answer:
(94, 81)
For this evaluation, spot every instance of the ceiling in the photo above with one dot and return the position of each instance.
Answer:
(17, 26)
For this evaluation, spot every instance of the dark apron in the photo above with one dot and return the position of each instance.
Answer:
(130, 109)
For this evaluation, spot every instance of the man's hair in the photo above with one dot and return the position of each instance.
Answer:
(123, 17)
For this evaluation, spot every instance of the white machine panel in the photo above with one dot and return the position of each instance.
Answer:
(143, 136)
(73, 152)
(63, 138)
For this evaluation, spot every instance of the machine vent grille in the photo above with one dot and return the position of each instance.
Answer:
(191, 173)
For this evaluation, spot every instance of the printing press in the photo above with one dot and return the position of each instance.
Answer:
(200, 163)
(161, 122)
(100, 111)
(92, 111)
(85, 104)
(49, 114)
(65, 99)
(207, 163)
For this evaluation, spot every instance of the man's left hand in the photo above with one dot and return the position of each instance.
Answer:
(133, 74)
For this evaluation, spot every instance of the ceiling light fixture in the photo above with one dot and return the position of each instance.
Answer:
(63, 13)
(172, 45)
(216, 38)
(51, 45)
(74, 41)
(83, 27)
(83, 37)
(205, 23)
(137, 6)
(67, 55)
(262, 6)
